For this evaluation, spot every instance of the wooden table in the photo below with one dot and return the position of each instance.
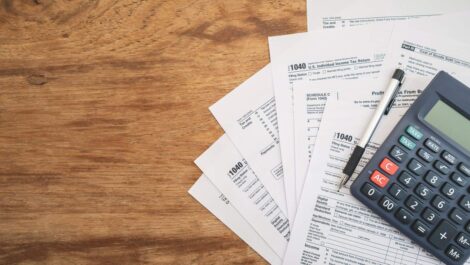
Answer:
(103, 108)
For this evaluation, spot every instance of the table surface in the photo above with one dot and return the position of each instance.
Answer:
(103, 108)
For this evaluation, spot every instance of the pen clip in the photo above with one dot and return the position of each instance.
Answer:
(395, 94)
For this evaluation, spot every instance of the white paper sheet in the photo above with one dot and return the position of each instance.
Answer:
(231, 174)
(353, 54)
(337, 14)
(420, 56)
(423, 55)
(333, 227)
(307, 104)
(248, 116)
(341, 228)
(210, 197)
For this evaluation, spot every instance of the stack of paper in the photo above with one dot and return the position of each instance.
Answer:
(290, 128)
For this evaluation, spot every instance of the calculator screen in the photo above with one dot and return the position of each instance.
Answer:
(450, 122)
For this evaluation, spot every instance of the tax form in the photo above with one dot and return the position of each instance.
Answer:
(353, 54)
(351, 224)
(248, 116)
(309, 103)
(423, 55)
(332, 227)
(309, 98)
(339, 14)
(210, 197)
(231, 174)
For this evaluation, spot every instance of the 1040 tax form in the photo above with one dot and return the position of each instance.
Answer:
(248, 116)
(231, 174)
(333, 227)
(314, 56)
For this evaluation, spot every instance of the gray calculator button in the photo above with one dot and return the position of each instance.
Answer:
(442, 235)
(397, 192)
(458, 179)
(441, 167)
(420, 229)
(463, 240)
(406, 179)
(423, 192)
(448, 157)
(404, 216)
(413, 204)
(457, 216)
(425, 155)
(416, 167)
(465, 203)
(430, 216)
(432, 146)
(440, 204)
(387, 204)
(464, 169)
(433, 179)
(454, 253)
(398, 154)
(449, 191)
(371, 192)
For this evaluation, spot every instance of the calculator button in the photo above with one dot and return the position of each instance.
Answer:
(425, 155)
(398, 154)
(404, 216)
(406, 142)
(416, 167)
(464, 169)
(397, 192)
(429, 216)
(433, 179)
(467, 227)
(459, 180)
(441, 167)
(454, 253)
(465, 203)
(463, 240)
(442, 235)
(413, 204)
(420, 229)
(413, 132)
(388, 166)
(449, 191)
(423, 192)
(432, 146)
(448, 157)
(370, 192)
(457, 216)
(440, 204)
(379, 179)
(406, 179)
(387, 204)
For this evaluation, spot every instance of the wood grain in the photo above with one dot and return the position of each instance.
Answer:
(103, 108)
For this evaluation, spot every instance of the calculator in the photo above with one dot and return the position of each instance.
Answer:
(419, 178)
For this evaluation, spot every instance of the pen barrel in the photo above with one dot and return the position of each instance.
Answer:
(353, 160)
(374, 121)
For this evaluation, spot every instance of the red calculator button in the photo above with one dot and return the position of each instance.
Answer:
(379, 179)
(388, 166)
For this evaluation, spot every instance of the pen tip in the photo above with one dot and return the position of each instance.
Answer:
(343, 181)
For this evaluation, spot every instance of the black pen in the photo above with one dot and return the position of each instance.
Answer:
(383, 108)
